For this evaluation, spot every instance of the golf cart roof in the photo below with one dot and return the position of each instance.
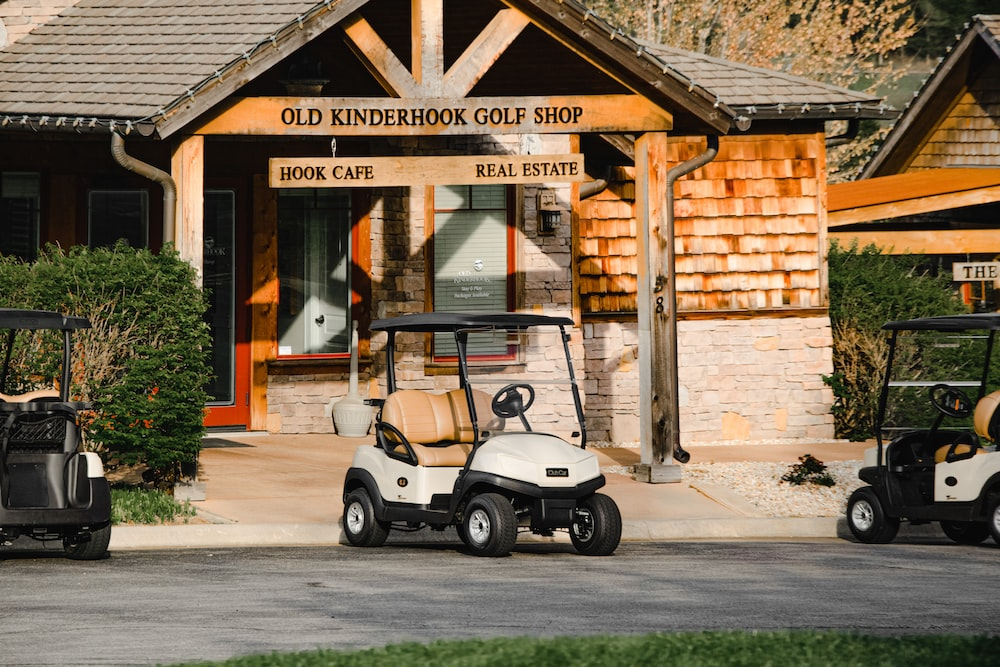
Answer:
(425, 322)
(987, 321)
(12, 318)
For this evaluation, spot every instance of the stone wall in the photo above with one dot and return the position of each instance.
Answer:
(744, 380)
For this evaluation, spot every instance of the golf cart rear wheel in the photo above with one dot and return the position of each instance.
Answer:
(361, 526)
(965, 532)
(597, 526)
(490, 525)
(994, 519)
(93, 549)
(867, 519)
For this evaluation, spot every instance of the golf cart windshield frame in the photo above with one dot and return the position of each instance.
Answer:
(987, 323)
(461, 325)
(14, 320)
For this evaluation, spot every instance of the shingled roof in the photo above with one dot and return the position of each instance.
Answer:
(156, 64)
(952, 121)
(762, 93)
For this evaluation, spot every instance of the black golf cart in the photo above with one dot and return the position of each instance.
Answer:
(49, 489)
(938, 409)
(502, 452)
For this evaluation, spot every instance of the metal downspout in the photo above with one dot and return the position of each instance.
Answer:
(152, 173)
(682, 169)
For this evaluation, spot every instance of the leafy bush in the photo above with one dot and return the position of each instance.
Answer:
(868, 289)
(143, 365)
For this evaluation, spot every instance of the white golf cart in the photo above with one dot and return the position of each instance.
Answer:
(488, 461)
(939, 409)
(49, 490)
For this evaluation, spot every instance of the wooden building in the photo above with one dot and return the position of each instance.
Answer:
(323, 162)
(934, 185)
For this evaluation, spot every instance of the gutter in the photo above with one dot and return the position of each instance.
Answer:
(152, 173)
(673, 428)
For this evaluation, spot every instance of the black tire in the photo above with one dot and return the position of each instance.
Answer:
(597, 526)
(993, 518)
(490, 525)
(966, 532)
(867, 518)
(95, 548)
(361, 526)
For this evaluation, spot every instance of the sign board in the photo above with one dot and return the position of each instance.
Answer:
(380, 172)
(362, 117)
(975, 271)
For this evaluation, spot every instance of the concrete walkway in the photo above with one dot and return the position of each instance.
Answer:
(285, 490)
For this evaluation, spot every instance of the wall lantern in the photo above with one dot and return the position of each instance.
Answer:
(549, 212)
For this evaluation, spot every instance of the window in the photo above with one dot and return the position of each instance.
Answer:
(19, 206)
(314, 260)
(472, 236)
(116, 215)
(220, 281)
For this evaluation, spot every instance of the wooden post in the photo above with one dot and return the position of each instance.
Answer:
(187, 167)
(657, 317)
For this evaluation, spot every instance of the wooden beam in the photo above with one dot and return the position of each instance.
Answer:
(379, 58)
(911, 193)
(915, 206)
(929, 242)
(187, 168)
(383, 172)
(384, 116)
(263, 301)
(483, 52)
(427, 41)
(657, 347)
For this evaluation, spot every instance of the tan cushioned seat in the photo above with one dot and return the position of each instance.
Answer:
(438, 426)
(986, 421)
(38, 394)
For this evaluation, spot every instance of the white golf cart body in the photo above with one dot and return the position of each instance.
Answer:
(488, 462)
(939, 409)
(49, 489)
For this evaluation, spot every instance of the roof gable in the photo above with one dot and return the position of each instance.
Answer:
(952, 120)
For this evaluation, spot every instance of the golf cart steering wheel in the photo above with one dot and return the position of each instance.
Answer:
(508, 402)
(950, 401)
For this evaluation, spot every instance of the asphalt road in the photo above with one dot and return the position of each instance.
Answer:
(174, 606)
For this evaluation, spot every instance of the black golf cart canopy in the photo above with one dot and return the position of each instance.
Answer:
(12, 318)
(430, 322)
(987, 321)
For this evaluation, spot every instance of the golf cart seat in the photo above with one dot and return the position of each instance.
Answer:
(430, 429)
(29, 396)
(985, 421)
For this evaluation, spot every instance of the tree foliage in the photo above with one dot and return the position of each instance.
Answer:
(868, 289)
(848, 44)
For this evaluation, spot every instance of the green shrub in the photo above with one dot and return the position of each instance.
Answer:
(143, 365)
(868, 289)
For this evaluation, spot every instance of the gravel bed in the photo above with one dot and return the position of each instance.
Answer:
(761, 485)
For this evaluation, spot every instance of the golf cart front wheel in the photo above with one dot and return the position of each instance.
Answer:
(490, 525)
(597, 526)
(867, 518)
(361, 526)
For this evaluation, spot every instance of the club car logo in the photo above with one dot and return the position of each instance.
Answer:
(557, 472)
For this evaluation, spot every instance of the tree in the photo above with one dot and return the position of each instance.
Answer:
(846, 43)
